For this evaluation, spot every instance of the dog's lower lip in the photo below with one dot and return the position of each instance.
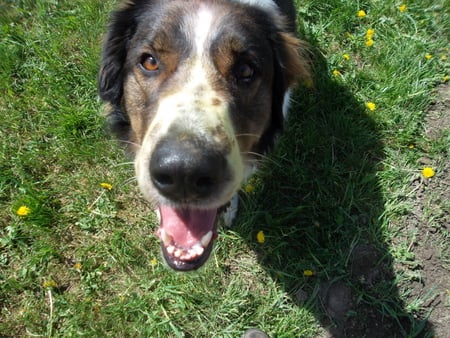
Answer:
(182, 253)
(186, 265)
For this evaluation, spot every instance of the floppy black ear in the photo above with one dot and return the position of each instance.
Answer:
(122, 27)
(291, 64)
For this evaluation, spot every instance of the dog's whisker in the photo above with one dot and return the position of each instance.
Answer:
(247, 134)
(129, 180)
(261, 158)
(123, 164)
(130, 143)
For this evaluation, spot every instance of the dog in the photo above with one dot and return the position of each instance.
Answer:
(198, 90)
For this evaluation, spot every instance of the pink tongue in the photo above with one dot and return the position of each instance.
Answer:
(187, 226)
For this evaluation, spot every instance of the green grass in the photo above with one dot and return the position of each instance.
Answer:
(85, 261)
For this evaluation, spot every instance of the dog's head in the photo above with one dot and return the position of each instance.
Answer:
(197, 89)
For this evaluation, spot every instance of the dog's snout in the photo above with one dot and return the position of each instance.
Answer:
(186, 170)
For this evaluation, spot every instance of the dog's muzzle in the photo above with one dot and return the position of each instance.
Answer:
(185, 171)
(188, 173)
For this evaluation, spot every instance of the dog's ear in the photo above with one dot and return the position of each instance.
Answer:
(293, 61)
(291, 65)
(121, 30)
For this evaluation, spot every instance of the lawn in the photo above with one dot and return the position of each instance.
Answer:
(341, 232)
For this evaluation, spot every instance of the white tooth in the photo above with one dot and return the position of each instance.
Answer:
(178, 253)
(165, 237)
(170, 249)
(186, 256)
(158, 215)
(197, 249)
(206, 239)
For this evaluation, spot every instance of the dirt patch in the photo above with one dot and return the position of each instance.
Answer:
(438, 118)
(425, 269)
(349, 316)
(430, 225)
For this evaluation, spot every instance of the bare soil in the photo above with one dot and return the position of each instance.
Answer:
(426, 229)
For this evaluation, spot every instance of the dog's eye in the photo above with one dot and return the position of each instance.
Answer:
(149, 63)
(244, 72)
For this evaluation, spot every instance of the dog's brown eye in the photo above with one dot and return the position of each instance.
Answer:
(149, 63)
(244, 72)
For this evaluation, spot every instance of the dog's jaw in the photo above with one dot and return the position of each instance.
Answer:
(187, 236)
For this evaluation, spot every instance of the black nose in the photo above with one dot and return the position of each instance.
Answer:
(187, 169)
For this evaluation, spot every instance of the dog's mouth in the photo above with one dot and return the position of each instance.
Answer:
(187, 236)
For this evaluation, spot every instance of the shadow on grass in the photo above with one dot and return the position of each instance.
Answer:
(318, 201)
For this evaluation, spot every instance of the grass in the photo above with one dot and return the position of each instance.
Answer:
(85, 260)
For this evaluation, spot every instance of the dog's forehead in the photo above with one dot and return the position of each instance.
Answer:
(193, 27)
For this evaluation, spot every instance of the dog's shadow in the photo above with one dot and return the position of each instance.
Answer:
(318, 202)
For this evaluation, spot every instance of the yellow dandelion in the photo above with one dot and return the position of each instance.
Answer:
(428, 172)
(371, 106)
(402, 8)
(445, 78)
(50, 283)
(428, 56)
(153, 262)
(249, 188)
(23, 211)
(308, 83)
(346, 57)
(308, 273)
(369, 43)
(106, 186)
(77, 266)
(336, 73)
(370, 33)
(361, 14)
(260, 237)
(411, 146)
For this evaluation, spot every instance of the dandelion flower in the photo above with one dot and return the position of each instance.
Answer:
(371, 106)
(77, 266)
(369, 43)
(50, 283)
(411, 146)
(249, 188)
(336, 72)
(308, 273)
(308, 83)
(23, 211)
(428, 56)
(153, 262)
(106, 186)
(402, 8)
(346, 57)
(428, 172)
(445, 78)
(361, 14)
(260, 237)
(370, 33)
